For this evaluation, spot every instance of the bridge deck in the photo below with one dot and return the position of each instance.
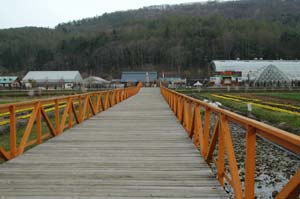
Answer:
(136, 149)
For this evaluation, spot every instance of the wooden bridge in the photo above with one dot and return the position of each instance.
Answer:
(135, 149)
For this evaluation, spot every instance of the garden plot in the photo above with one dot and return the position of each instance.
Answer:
(279, 109)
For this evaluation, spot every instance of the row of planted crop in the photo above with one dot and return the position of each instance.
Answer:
(255, 102)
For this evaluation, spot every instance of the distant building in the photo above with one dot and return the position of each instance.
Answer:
(255, 72)
(192, 82)
(129, 78)
(53, 79)
(95, 82)
(116, 83)
(8, 81)
(174, 82)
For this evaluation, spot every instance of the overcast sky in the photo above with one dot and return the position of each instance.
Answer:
(48, 13)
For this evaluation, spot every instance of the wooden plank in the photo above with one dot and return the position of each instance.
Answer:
(136, 149)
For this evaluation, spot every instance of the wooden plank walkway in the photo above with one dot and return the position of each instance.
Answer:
(136, 149)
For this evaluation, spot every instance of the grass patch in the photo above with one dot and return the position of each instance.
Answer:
(5, 137)
(9, 102)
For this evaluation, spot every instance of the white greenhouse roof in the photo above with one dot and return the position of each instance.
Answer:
(53, 76)
(254, 67)
(96, 80)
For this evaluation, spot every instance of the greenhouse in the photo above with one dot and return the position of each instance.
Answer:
(257, 72)
(272, 76)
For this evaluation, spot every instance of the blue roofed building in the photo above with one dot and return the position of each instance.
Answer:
(140, 76)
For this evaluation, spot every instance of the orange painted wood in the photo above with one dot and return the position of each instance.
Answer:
(39, 125)
(285, 139)
(13, 131)
(5, 155)
(292, 189)
(64, 116)
(28, 129)
(221, 152)
(281, 137)
(206, 131)
(190, 120)
(94, 110)
(237, 187)
(196, 126)
(57, 124)
(93, 100)
(48, 122)
(75, 114)
(70, 124)
(213, 143)
(250, 163)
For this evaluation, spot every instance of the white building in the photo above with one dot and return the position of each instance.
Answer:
(95, 82)
(56, 79)
(256, 70)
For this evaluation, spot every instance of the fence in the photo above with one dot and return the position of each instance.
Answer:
(190, 111)
(54, 115)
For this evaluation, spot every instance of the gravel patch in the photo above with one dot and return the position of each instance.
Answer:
(274, 165)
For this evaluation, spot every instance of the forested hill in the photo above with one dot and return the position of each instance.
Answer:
(182, 38)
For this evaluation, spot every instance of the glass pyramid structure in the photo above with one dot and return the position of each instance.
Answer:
(271, 73)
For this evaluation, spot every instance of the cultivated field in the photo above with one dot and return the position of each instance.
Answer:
(280, 109)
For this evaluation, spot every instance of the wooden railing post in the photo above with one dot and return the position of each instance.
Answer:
(197, 126)
(39, 125)
(123, 95)
(70, 123)
(236, 183)
(175, 104)
(106, 101)
(118, 97)
(221, 153)
(13, 131)
(80, 109)
(57, 123)
(178, 106)
(181, 110)
(112, 99)
(292, 189)
(250, 162)
(86, 112)
(206, 131)
(190, 121)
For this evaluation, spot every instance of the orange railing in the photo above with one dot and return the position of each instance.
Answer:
(188, 111)
(66, 111)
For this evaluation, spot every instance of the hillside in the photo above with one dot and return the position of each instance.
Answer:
(182, 38)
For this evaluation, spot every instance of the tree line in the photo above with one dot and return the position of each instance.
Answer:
(181, 38)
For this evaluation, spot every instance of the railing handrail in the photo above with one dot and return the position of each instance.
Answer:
(187, 110)
(45, 100)
(291, 141)
(88, 104)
